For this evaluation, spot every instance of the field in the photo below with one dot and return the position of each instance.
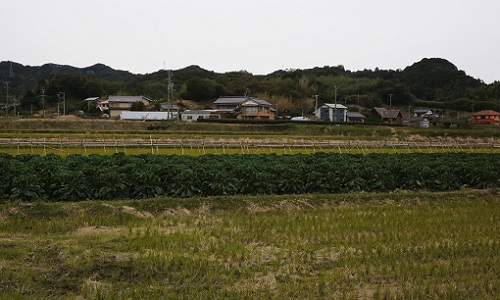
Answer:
(82, 136)
(295, 212)
(404, 245)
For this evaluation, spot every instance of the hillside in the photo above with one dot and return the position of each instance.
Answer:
(432, 82)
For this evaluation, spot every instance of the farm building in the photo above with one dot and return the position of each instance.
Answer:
(355, 117)
(486, 117)
(147, 115)
(195, 115)
(393, 116)
(332, 112)
(119, 104)
(169, 107)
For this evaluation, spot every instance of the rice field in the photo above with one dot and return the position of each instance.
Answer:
(402, 245)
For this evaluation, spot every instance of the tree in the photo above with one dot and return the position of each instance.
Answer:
(201, 89)
(138, 106)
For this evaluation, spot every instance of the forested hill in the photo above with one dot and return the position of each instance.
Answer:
(431, 82)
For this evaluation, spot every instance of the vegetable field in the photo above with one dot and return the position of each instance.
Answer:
(119, 176)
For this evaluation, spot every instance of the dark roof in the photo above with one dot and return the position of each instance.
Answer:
(237, 100)
(197, 111)
(354, 114)
(128, 99)
(387, 114)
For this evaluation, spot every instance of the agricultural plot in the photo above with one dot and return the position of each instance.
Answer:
(404, 245)
(119, 176)
(196, 147)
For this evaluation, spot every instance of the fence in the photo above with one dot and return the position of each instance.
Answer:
(223, 146)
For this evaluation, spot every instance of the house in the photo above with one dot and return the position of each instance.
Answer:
(256, 109)
(195, 115)
(486, 117)
(332, 112)
(233, 102)
(393, 116)
(117, 104)
(355, 117)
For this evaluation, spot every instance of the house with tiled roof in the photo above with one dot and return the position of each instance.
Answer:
(256, 110)
(233, 102)
(486, 117)
(117, 104)
(391, 116)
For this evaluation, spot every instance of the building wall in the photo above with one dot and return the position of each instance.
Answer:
(193, 117)
(257, 113)
(486, 119)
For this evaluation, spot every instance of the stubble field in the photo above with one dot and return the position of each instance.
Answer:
(403, 245)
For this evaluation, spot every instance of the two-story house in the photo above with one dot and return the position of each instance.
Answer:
(117, 104)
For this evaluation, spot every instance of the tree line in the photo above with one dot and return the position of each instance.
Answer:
(432, 83)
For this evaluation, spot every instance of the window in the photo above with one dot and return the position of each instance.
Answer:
(251, 110)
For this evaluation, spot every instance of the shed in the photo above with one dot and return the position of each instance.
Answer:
(147, 115)
(355, 117)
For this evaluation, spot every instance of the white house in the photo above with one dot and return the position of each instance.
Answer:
(332, 112)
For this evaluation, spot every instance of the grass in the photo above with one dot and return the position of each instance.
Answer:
(350, 246)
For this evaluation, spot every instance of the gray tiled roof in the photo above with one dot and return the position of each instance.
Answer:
(354, 114)
(127, 99)
(236, 100)
(387, 114)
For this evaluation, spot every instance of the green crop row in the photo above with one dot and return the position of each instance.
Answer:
(119, 176)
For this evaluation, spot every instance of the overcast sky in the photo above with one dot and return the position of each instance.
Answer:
(259, 36)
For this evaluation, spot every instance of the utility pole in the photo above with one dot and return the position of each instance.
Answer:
(61, 96)
(170, 88)
(7, 97)
(43, 103)
(335, 107)
(390, 101)
(316, 104)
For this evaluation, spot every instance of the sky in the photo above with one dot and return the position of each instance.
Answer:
(258, 36)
